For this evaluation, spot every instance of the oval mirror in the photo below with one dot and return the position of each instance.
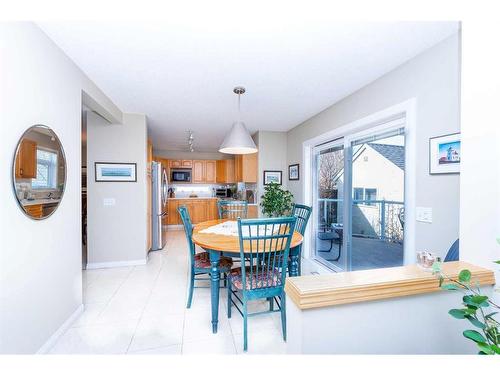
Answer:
(39, 172)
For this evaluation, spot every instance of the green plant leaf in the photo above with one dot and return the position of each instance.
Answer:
(474, 335)
(464, 276)
(490, 314)
(436, 267)
(474, 301)
(475, 322)
(458, 313)
(495, 348)
(449, 287)
(485, 348)
(497, 261)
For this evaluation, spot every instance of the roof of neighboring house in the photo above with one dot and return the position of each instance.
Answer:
(395, 154)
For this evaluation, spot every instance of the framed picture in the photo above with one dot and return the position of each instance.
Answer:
(115, 172)
(272, 176)
(444, 154)
(293, 172)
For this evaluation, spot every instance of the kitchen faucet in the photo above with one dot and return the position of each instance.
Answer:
(49, 195)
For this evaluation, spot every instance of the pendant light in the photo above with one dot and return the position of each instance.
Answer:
(238, 140)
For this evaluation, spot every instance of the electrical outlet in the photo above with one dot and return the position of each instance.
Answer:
(424, 214)
(109, 201)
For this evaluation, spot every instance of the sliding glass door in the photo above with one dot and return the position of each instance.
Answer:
(359, 186)
(329, 203)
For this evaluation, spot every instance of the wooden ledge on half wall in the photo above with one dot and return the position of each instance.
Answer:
(313, 291)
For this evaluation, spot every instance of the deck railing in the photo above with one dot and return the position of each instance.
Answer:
(382, 219)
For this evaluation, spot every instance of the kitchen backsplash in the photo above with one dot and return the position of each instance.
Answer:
(24, 190)
(202, 191)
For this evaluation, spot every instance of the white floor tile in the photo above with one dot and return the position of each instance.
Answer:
(172, 349)
(212, 345)
(141, 310)
(156, 332)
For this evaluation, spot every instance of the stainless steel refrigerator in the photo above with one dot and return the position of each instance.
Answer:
(159, 207)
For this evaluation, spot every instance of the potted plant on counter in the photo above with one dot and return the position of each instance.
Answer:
(477, 308)
(276, 201)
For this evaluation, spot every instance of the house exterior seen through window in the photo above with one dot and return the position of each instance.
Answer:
(46, 170)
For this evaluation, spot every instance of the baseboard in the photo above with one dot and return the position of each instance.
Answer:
(124, 263)
(60, 331)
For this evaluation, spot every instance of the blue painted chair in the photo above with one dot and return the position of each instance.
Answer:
(199, 262)
(265, 243)
(453, 253)
(232, 209)
(302, 213)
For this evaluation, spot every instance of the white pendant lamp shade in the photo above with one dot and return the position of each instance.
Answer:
(238, 140)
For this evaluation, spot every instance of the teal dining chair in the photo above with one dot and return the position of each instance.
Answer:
(232, 209)
(265, 243)
(302, 213)
(199, 262)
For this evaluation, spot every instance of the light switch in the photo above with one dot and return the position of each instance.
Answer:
(424, 214)
(109, 201)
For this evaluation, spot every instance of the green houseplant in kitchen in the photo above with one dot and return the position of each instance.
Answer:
(276, 201)
(477, 308)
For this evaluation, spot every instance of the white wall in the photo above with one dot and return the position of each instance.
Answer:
(480, 170)
(433, 78)
(116, 234)
(40, 261)
(271, 157)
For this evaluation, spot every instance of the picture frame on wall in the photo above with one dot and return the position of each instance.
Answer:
(293, 172)
(272, 176)
(115, 172)
(445, 154)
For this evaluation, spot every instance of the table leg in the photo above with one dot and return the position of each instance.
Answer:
(293, 268)
(214, 287)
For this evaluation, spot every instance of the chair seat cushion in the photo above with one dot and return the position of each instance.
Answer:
(269, 279)
(202, 260)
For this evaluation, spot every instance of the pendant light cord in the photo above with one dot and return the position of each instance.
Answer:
(239, 107)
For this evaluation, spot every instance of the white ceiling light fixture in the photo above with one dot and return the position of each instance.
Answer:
(238, 140)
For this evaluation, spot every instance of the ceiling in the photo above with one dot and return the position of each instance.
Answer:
(181, 73)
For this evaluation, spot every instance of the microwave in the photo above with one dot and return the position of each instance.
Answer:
(223, 193)
(180, 175)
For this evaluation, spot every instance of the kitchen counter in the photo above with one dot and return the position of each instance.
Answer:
(403, 309)
(189, 198)
(26, 202)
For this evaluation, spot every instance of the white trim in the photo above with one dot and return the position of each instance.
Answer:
(123, 263)
(381, 120)
(45, 348)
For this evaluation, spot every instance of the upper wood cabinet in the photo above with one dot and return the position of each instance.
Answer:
(26, 160)
(186, 163)
(225, 171)
(198, 174)
(210, 171)
(246, 168)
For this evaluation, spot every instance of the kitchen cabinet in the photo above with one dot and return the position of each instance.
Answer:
(200, 209)
(175, 163)
(253, 211)
(245, 167)
(26, 160)
(198, 175)
(225, 171)
(210, 171)
(149, 210)
(34, 210)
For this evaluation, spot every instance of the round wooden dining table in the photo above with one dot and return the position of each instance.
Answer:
(218, 244)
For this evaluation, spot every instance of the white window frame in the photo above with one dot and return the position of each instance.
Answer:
(384, 120)
(57, 172)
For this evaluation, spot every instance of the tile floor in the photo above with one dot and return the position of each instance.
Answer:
(142, 310)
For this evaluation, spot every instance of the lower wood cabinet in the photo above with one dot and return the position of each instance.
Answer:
(253, 212)
(199, 210)
(34, 210)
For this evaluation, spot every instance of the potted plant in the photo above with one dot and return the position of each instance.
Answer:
(276, 201)
(477, 308)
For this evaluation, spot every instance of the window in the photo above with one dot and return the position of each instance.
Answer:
(46, 170)
(370, 195)
(359, 194)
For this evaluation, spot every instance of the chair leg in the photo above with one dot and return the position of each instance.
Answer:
(283, 316)
(191, 288)
(271, 303)
(225, 280)
(229, 301)
(245, 325)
